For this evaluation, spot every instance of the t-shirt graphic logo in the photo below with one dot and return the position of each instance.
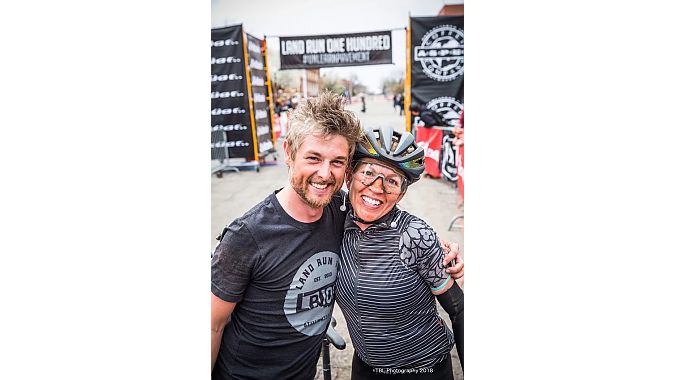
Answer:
(442, 53)
(315, 298)
(447, 106)
(309, 301)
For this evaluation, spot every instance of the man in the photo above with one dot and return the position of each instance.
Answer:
(274, 271)
(400, 103)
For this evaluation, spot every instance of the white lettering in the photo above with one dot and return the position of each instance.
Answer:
(429, 152)
(259, 98)
(260, 114)
(315, 46)
(222, 60)
(335, 45)
(262, 130)
(219, 43)
(224, 77)
(310, 323)
(226, 94)
(257, 81)
(385, 42)
(226, 111)
(229, 144)
(264, 146)
(291, 47)
(229, 127)
(368, 43)
(319, 59)
(256, 64)
(254, 47)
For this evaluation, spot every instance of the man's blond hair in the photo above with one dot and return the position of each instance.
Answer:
(324, 115)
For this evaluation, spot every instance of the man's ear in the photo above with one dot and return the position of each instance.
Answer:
(348, 176)
(287, 153)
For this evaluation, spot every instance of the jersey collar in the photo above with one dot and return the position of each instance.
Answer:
(386, 222)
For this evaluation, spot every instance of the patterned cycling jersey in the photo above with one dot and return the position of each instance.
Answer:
(385, 282)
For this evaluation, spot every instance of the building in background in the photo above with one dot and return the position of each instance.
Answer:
(456, 9)
(310, 83)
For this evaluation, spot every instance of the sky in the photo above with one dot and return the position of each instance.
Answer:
(301, 17)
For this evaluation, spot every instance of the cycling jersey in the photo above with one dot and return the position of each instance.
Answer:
(387, 274)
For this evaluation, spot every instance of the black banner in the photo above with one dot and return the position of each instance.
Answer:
(354, 49)
(437, 68)
(259, 91)
(229, 100)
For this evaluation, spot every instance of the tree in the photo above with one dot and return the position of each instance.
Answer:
(330, 83)
(281, 80)
(393, 83)
(358, 87)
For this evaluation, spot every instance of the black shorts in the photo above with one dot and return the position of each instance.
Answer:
(440, 371)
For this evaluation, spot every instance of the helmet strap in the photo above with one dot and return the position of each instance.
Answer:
(360, 220)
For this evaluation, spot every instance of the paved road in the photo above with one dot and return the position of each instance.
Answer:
(434, 200)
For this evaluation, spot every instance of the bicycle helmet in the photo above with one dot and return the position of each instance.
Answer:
(391, 147)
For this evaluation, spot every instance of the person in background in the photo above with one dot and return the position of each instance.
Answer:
(400, 103)
(346, 94)
(295, 100)
(459, 129)
(391, 269)
(429, 117)
(278, 107)
(274, 271)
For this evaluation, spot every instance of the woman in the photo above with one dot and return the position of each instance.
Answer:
(391, 269)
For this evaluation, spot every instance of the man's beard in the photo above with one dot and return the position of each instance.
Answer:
(301, 186)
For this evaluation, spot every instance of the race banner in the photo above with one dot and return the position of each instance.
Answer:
(259, 91)
(437, 56)
(353, 49)
(230, 119)
(430, 140)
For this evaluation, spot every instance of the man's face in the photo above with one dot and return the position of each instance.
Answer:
(318, 170)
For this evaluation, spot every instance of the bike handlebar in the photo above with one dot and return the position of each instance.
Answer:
(333, 337)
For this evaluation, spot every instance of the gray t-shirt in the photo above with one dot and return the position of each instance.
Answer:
(282, 274)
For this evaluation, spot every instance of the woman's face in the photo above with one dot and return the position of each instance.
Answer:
(374, 189)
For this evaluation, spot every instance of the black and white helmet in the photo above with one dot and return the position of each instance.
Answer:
(391, 147)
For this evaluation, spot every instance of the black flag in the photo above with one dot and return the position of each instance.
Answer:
(437, 73)
(230, 116)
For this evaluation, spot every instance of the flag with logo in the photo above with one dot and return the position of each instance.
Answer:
(437, 57)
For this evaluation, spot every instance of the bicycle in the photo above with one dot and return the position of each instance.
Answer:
(331, 337)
